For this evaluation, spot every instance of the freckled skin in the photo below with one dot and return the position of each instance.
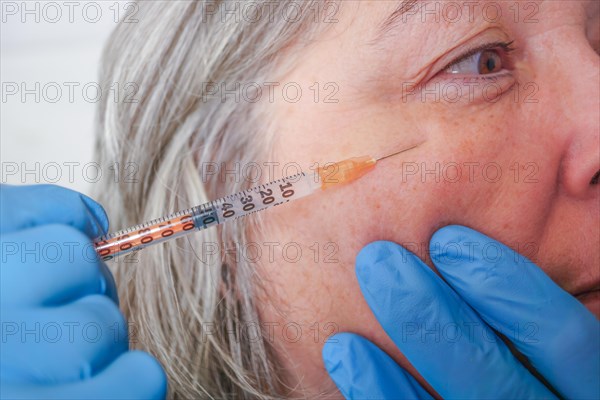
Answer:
(541, 204)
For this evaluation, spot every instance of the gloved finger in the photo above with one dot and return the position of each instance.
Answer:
(549, 326)
(65, 343)
(28, 206)
(134, 375)
(51, 264)
(442, 337)
(363, 371)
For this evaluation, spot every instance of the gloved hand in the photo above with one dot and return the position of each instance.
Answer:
(63, 335)
(444, 328)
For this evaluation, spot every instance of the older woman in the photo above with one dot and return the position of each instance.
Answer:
(501, 97)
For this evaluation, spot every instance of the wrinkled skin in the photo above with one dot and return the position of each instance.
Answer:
(540, 133)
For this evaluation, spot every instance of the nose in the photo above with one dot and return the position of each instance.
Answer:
(580, 166)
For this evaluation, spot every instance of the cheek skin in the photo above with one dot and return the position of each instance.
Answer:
(389, 204)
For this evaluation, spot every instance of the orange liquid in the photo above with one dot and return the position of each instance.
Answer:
(135, 240)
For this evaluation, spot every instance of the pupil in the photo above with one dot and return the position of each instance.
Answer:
(489, 62)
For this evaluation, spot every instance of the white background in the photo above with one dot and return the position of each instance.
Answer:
(41, 134)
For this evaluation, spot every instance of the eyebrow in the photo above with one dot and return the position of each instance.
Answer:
(395, 17)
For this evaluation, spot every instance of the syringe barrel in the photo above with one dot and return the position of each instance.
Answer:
(206, 215)
(141, 236)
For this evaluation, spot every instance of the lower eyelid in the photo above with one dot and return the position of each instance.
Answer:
(465, 89)
(488, 77)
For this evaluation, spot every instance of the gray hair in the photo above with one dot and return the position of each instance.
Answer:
(169, 294)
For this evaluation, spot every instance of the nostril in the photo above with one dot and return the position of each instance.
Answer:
(595, 179)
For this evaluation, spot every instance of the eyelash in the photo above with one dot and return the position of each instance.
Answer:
(506, 47)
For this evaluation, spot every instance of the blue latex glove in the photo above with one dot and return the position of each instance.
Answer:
(63, 335)
(443, 327)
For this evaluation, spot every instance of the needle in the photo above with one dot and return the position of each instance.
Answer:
(401, 151)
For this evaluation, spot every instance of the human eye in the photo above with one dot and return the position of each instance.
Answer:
(489, 60)
(476, 74)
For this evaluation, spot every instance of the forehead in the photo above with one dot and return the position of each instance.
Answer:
(388, 14)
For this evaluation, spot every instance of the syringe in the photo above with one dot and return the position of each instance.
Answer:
(234, 206)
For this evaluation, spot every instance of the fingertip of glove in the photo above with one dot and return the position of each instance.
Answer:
(329, 353)
(108, 285)
(372, 254)
(98, 214)
(146, 364)
(352, 362)
(334, 357)
(451, 234)
(446, 243)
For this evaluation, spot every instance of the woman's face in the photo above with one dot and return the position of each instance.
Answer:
(509, 145)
